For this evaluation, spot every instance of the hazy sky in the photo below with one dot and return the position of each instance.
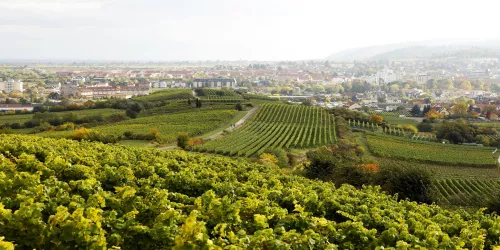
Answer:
(229, 29)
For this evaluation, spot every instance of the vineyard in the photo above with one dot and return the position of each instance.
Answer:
(405, 149)
(10, 119)
(260, 97)
(61, 194)
(165, 95)
(465, 192)
(170, 125)
(205, 92)
(391, 113)
(226, 99)
(277, 126)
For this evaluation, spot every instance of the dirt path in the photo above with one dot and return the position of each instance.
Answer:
(237, 124)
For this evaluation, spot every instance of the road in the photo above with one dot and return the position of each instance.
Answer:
(237, 124)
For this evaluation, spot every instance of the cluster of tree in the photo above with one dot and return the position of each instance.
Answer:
(446, 84)
(343, 163)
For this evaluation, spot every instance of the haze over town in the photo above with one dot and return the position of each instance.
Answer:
(230, 30)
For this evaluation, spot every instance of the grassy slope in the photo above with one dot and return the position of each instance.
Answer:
(396, 120)
(88, 112)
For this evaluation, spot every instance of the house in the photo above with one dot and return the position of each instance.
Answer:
(8, 107)
(158, 84)
(443, 111)
(11, 85)
(69, 90)
(213, 83)
(116, 92)
(390, 108)
(354, 106)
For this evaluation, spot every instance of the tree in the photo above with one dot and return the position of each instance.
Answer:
(54, 96)
(459, 109)
(376, 119)
(189, 101)
(456, 132)
(239, 107)
(433, 115)
(432, 84)
(326, 162)
(445, 84)
(427, 108)
(415, 111)
(407, 181)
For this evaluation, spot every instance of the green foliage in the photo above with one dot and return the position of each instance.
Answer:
(456, 132)
(408, 182)
(182, 140)
(281, 155)
(61, 194)
(277, 126)
(338, 163)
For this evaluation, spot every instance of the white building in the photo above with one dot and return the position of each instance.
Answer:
(11, 85)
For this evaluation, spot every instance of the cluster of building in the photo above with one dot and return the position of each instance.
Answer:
(11, 85)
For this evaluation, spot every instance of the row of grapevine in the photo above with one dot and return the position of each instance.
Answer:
(277, 126)
(216, 92)
(61, 194)
(260, 97)
(222, 99)
(390, 130)
(465, 192)
(413, 150)
(391, 113)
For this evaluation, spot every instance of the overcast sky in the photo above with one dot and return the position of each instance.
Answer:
(230, 29)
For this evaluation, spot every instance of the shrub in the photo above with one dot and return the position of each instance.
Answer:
(182, 140)
(407, 181)
(92, 135)
(280, 155)
(335, 163)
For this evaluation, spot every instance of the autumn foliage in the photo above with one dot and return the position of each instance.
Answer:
(376, 119)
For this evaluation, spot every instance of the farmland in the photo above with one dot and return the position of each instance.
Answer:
(207, 92)
(80, 113)
(67, 194)
(277, 126)
(402, 148)
(165, 95)
(169, 125)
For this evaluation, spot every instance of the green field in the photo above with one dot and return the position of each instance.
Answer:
(169, 125)
(405, 149)
(487, 124)
(399, 121)
(80, 113)
(166, 94)
(277, 126)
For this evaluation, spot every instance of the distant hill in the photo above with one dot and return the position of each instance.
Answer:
(423, 49)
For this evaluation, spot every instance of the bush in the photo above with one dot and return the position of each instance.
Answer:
(280, 155)
(16, 125)
(239, 107)
(132, 114)
(182, 140)
(406, 181)
(424, 127)
(84, 134)
(337, 163)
